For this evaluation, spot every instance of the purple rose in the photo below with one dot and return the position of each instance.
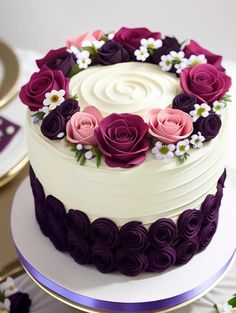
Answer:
(133, 236)
(53, 125)
(210, 208)
(189, 223)
(20, 303)
(68, 107)
(222, 179)
(55, 210)
(57, 234)
(59, 59)
(205, 82)
(185, 250)
(206, 234)
(111, 53)
(79, 248)
(131, 263)
(208, 126)
(33, 93)
(162, 233)
(122, 139)
(130, 37)
(78, 222)
(103, 259)
(160, 260)
(104, 232)
(184, 102)
(194, 48)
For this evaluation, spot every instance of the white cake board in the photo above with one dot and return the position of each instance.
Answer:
(86, 288)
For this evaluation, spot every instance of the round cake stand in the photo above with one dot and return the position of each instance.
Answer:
(84, 288)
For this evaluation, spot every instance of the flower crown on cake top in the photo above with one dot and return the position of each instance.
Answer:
(192, 119)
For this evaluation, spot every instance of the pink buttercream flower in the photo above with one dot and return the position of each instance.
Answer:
(169, 125)
(77, 41)
(80, 128)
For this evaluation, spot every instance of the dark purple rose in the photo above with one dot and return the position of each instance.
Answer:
(210, 208)
(68, 107)
(53, 125)
(222, 178)
(104, 232)
(162, 233)
(205, 82)
(208, 126)
(189, 223)
(206, 234)
(103, 259)
(160, 260)
(79, 248)
(33, 93)
(219, 192)
(185, 250)
(133, 236)
(122, 139)
(59, 59)
(57, 233)
(131, 263)
(184, 102)
(168, 44)
(31, 174)
(130, 37)
(55, 210)
(194, 48)
(112, 52)
(78, 222)
(20, 303)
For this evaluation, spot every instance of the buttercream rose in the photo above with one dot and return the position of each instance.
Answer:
(160, 260)
(103, 259)
(57, 235)
(111, 53)
(33, 93)
(131, 263)
(130, 37)
(80, 128)
(194, 48)
(222, 179)
(186, 249)
(68, 107)
(20, 302)
(162, 233)
(122, 139)
(78, 222)
(206, 234)
(210, 208)
(105, 232)
(208, 126)
(59, 59)
(168, 44)
(78, 41)
(189, 223)
(79, 248)
(133, 236)
(184, 102)
(205, 82)
(53, 125)
(169, 125)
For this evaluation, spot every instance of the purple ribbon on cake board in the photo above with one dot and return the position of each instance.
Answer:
(119, 306)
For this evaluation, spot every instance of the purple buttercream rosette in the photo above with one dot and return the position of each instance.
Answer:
(68, 107)
(133, 236)
(208, 126)
(78, 222)
(104, 232)
(131, 263)
(189, 223)
(160, 260)
(53, 125)
(162, 233)
(186, 249)
(103, 259)
(184, 102)
(20, 303)
(206, 235)
(79, 248)
(210, 208)
(168, 44)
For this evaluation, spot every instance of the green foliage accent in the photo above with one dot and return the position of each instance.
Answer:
(74, 70)
(183, 157)
(82, 159)
(39, 115)
(232, 302)
(74, 97)
(150, 50)
(225, 99)
(2, 297)
(104, 38)
(92, 50)
(98, 154)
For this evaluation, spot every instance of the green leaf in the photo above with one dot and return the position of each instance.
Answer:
(74, 70)
(232, 302)
(39, 115)
(79, 156)
(104, 38)
(92, 50)
(150, 51)
(83, 159)
(99, 158)
(183, 157)
(2, 297)
(74, 97)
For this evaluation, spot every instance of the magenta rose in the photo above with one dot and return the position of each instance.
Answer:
(80, 128)
(130, 37)
(194, 48)
(205, 82)
(122, 139)
(169, 125)
(33, 93)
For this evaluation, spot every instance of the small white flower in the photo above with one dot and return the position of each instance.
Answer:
(96, 43)
(177, 56)
(197, 59)
(79, 146)
(111, 35)
(218, 107)
(83, 59)
(88, 155)
(151, 43)
(5, 306)
(166, 63)
(200, 110)
(53, 99)
(74, 49)
(180, 66)
(86, 43)
(8, 287)
(141, 54)
(182, 147)
(197, 140)
(162, 151)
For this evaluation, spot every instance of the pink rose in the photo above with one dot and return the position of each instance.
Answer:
(80, 128)
(169, 125)
(77, 41)
(205, 82)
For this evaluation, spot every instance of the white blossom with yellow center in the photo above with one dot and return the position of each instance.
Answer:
(52, 100)
(8, 287)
